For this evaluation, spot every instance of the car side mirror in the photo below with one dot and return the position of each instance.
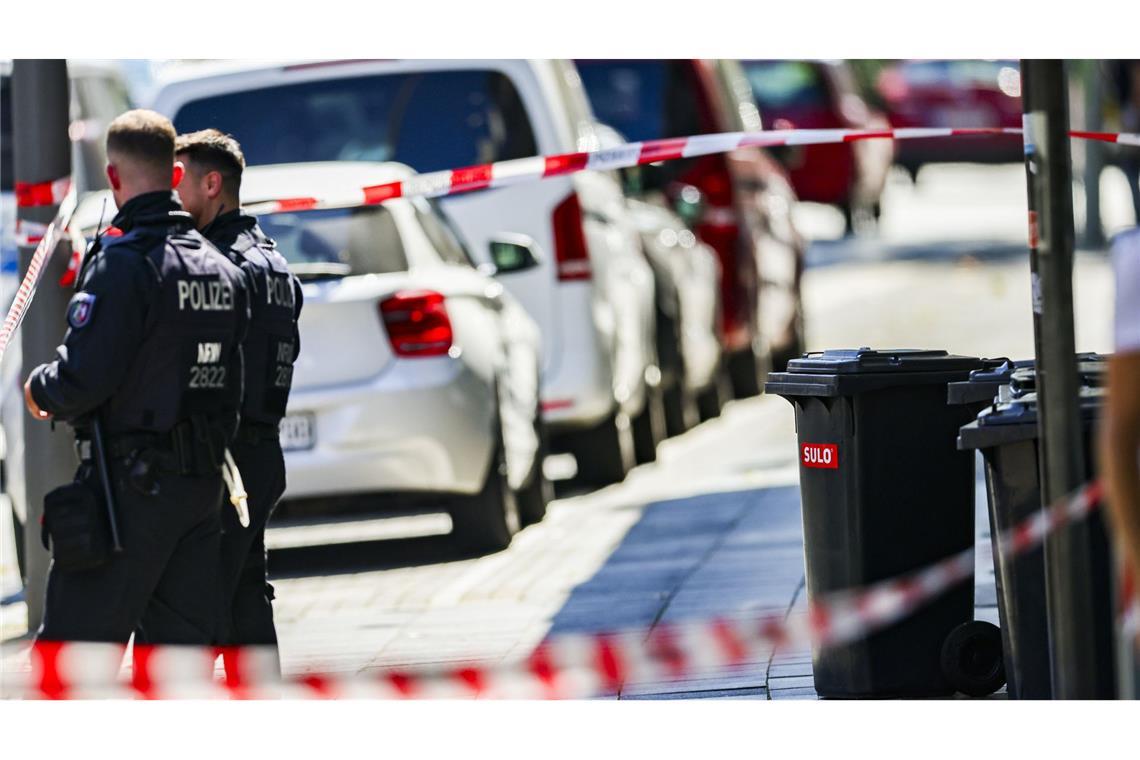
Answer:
(512, 253)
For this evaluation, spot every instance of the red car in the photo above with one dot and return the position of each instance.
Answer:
(954, 94)
(738, 202)
(823, 95)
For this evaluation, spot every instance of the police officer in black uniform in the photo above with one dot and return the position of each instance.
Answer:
(151, 360)
(210, 192)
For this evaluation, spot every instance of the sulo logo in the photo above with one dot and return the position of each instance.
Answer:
(823, 456)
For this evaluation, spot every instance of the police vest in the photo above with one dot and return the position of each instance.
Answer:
(270, 345)
(189, 364)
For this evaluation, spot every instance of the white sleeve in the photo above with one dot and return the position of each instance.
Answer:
(1126, 266)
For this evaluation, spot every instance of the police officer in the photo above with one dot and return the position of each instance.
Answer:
(210, 192)
(152, 355)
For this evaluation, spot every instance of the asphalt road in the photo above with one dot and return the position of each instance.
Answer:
(713, 526)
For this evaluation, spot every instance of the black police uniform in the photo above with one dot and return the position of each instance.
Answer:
(270, 348)
(153, 349)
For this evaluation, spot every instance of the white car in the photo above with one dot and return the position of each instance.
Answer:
(418, 375)
(591, 292)
(688, 282)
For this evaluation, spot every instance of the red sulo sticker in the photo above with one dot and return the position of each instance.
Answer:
(823, 456)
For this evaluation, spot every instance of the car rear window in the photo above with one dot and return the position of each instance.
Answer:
(429, 120)
(778, 85)
(337, 242)
(643, 100)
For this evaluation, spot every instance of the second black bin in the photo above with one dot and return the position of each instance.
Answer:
(1006, 434)
(885, 491)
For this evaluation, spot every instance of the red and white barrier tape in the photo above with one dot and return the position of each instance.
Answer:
(515, 171)
(564, 666)
(36, 194)
(1120, 138)
(48, 236)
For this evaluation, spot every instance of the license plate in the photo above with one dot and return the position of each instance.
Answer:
(298, 432)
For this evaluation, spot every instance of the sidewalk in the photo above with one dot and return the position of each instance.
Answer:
(747, 558)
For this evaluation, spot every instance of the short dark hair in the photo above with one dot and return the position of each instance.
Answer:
(214, 151)
(144, 137)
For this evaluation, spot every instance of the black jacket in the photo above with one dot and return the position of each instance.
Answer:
(273, 342)
(154, 330)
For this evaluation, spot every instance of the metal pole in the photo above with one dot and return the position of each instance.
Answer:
(1094, 154)
(1068, 565)
(40, 106)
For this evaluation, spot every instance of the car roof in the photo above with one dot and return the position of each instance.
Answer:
(175, 74)
(326, 180)
(178, 71)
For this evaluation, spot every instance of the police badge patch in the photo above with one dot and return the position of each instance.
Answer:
(80, 309)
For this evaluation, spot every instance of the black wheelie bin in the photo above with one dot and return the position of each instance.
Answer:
(885, 492)
(1006, 434)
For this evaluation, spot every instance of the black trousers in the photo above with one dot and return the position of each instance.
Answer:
(246, 595)
(163, 583)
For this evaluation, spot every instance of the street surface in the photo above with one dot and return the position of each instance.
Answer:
(713, 527)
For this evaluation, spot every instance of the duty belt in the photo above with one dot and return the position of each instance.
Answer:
(125, 444)
(189, 448)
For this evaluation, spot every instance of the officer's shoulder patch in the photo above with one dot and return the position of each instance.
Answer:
(80, 310)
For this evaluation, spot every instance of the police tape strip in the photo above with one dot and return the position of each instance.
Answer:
(520, 170)
(35, 194)
(564, 666)
(1120, 138)
(513, 172)
(46, 193)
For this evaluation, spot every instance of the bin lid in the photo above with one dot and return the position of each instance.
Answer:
(1092, 372)
(846, 361)
(983, 383)
(1021, 377)
(1023, 409)
(1016, 420)
(840, 372)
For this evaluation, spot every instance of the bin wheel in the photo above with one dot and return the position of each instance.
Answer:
(972, 658)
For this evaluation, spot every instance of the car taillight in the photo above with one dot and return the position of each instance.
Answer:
(570, 253)
(417, 323)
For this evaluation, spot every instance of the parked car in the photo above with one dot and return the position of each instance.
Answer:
(419, 374)
(744, 196)
(687, 283)
(961, 93)
(591, 292)
(98, 95)
(823, 95)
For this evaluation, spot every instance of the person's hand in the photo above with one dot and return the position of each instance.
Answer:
(33, 407)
